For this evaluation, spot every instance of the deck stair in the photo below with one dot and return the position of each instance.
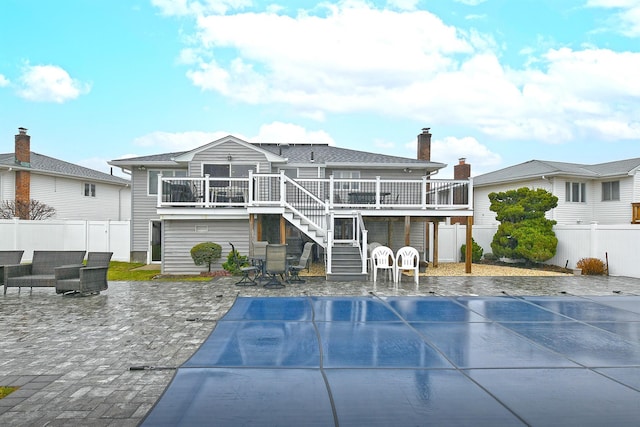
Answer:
(346, 264)
(314, 233)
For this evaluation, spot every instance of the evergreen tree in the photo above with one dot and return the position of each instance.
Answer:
(524, 231)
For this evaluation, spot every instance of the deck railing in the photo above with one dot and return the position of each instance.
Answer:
(315, 196)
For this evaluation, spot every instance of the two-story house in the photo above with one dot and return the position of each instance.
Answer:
(75, 192)
(604, 193)
(234, 191)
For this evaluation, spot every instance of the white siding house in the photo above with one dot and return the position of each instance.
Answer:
(75, 192)
(231, 190)
(601, 193)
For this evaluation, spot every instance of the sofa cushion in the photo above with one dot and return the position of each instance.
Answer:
(44, 262)
(41, 280)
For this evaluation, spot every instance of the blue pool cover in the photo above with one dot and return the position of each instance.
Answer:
(413, 361)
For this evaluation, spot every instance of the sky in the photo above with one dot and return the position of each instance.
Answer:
(498, 82)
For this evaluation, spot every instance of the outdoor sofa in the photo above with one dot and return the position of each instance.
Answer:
(41, 271)
(8, 258)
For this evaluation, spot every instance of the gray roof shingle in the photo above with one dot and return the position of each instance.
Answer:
(46, 164)
(537, 168)
(301, 153)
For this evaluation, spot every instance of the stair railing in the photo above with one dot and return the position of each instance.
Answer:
(303, 202)
(361, 239)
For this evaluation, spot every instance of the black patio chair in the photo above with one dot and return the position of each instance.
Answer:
(294, 270)
(246, 270)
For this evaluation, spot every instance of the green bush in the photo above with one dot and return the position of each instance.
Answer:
(489, 256)
(476, 252)
(206, 253)
(591, 266)
(524, 232)
(234, 262)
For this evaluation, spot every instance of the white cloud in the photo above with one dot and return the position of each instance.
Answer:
(403, 4)
(278, 132)
(191, 7)
(178, 141)
(275, 132)
(353, 57)
(3, 81)
(471, 2)
(627, 20)
(451, 149)
(49, 83)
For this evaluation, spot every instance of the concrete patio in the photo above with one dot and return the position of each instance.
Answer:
(72, 356)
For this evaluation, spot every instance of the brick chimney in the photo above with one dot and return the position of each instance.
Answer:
(461, 194)
(462, 170)
(23, 177)
(424, 145)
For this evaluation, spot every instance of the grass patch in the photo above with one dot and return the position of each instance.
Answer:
(6, 391)
(125, 272)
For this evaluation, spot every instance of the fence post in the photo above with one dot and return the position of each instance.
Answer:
(593, 240)
(15, 232)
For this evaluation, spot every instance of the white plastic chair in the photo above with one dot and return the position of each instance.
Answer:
(407, 258)
(382, 258)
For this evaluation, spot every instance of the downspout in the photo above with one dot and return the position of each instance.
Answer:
(552, 183)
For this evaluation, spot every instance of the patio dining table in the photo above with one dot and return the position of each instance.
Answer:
(366, 197)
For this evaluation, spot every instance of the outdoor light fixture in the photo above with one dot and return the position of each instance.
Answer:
(229, 157)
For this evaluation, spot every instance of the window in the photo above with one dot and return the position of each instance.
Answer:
(89, 190)
(347, 185)
(227, 170)
(610, 191)
(153, 178)
(576, 192)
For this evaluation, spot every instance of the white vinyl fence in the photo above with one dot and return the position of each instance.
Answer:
(619, 244)
(91, 236)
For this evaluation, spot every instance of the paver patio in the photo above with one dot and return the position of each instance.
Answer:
(73, 355)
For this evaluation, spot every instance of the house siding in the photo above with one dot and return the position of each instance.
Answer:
(7, 186)
(573, 212)
(143, 210)
(218, 155)
(567, 213)
(66, 196)
(378, 231)
(481, 204)
(180, 236)
(615, 211)
(310, 173)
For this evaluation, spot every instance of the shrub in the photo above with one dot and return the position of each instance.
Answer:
(524, 232)
(591, 266)
(234, 262)
(206, 253)
(476, 252)
(489, 256)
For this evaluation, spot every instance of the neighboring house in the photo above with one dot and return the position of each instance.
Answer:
(232, 190)
(75, 192)
(604, 193)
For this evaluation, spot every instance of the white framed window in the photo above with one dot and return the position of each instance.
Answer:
(611, 191)
(224, 170)
(152, 178)
(576, 192)
(89, 190)
(347, 185)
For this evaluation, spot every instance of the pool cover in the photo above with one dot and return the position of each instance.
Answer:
(413, 361)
